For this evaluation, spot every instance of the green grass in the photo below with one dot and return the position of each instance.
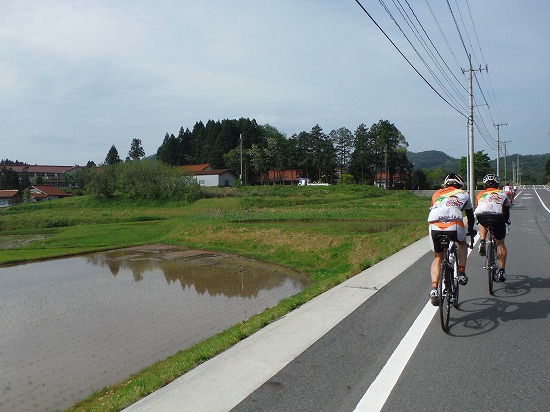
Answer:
(331, 233)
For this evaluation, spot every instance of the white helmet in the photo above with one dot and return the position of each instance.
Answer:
(491, 180)
(455, 180)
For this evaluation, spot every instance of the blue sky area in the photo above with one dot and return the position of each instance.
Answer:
(80, 76)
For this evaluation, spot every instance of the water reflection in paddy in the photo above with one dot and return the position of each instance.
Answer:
(72, 326)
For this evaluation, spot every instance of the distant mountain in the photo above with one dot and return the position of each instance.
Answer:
(433, 159)
(532, 167)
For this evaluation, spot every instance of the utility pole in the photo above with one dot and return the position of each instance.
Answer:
(505, 172)
(386, 163)
(471, 172)
(498, 146)
(517, 171)
(241, 146)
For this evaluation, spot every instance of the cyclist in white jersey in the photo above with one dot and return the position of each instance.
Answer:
(446, 218)
(493, 208)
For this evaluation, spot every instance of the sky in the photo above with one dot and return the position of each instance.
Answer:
(79, 76)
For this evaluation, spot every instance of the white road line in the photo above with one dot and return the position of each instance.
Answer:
(543, 205)
(378, 392)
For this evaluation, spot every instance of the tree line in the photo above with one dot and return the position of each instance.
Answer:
(244, 146)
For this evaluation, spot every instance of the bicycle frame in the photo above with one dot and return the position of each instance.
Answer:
(491, 258)
(448, 283)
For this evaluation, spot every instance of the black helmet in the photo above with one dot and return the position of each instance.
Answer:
(491, 180)
(455, 180)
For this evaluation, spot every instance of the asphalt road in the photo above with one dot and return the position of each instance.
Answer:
(378, 331)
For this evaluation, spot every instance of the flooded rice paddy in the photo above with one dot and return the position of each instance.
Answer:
(72, 326)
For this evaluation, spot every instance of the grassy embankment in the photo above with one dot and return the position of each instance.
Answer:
(330, 233)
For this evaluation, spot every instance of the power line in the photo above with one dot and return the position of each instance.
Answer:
(418, 36)
(407, 60)
(447, 86)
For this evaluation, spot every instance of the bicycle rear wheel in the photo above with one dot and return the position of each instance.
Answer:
(444, 290)
(490, 264)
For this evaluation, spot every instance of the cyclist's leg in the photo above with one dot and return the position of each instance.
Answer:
(462, 254)
(482, 230)
(462, 246)
(502, 252)
(435, 271)
(436, 263)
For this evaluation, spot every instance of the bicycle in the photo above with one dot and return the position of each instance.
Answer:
(491, 256)
(491, 260)
(448, 286)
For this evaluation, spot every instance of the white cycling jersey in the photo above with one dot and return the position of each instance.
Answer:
(448, 204)
(491, 202)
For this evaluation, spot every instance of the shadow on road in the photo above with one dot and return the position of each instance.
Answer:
(482, 315)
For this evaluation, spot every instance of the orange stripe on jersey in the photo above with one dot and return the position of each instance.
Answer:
(447, 225)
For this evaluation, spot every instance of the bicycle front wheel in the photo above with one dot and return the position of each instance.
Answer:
(444, 290)
(456, 288)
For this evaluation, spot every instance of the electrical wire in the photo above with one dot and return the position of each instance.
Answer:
(407, 60)
(451, 89)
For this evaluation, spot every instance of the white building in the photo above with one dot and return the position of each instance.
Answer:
(208, 177)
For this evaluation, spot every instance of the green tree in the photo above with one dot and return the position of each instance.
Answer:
(112, 156)
(300, 156)
(9, 179)
(103, 181)
(322, 155)
(418, 180)
(25, 181)
(168, 151)
(346, 179)
(390, 151)
(402, 166)
(185, 147)
(151, 179)
(232, 160)
(362, 165)
(435, 177)
(382, 149)
(482, 166)
(136, 150)
(342, 140)
(275, 149)
(258, 161)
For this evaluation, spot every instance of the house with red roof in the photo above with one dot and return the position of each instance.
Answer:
(39, 193)
(10, 197)
(284, 177)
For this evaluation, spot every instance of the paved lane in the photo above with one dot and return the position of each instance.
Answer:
(497, 354)
(499, 345)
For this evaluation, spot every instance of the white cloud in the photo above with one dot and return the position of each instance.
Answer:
(79, 76)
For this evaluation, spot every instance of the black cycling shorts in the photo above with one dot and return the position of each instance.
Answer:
(437, 247)
(498, 223)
